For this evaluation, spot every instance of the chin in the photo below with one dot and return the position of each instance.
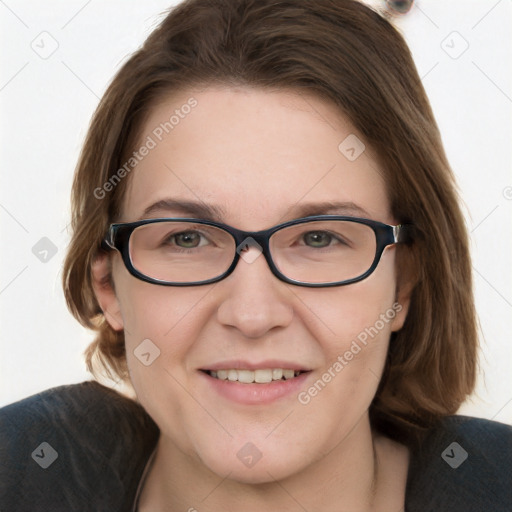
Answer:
(249, 465)
(260, 474)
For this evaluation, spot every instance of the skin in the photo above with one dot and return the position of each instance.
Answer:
(259, 155)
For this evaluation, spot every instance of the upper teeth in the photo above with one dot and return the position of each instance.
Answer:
(250, 376)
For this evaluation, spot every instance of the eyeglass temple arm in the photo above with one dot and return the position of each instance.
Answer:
(107, 241)
(403, 233)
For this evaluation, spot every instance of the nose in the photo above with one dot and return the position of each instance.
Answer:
(254, 301)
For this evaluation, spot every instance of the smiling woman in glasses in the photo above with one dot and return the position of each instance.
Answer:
(267, 240)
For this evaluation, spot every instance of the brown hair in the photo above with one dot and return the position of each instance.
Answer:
(343, 52)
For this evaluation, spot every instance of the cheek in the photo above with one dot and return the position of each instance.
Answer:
(354, 359)
(361, 311)
(152, 311)
(353, 325)
(161, 325)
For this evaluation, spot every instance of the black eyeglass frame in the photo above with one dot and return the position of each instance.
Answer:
(118, 237)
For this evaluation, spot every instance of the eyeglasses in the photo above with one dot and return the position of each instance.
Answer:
(316, 251)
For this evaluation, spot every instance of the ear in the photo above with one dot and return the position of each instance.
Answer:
(104, 290)
(401, 305)
(406, 281)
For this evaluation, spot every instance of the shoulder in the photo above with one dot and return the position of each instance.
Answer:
(74, 447)
(462, 464)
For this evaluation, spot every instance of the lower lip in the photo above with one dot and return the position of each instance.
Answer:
(255, 394)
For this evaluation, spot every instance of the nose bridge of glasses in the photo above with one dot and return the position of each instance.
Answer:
(256, 240)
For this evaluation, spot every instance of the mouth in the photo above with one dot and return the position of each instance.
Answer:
(254, 383)
(258, 376)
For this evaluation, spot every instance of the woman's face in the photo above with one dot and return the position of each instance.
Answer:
(261, 158)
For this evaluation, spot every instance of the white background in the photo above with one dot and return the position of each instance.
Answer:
(46, 105)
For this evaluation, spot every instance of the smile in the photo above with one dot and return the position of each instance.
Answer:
(260, 376)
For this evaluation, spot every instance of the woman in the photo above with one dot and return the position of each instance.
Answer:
(267, 240)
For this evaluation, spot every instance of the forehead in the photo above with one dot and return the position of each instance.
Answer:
(255, 154)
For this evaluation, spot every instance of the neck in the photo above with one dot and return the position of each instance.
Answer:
(350, 474)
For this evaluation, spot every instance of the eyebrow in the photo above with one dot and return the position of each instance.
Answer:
(347, 208)
(190, 208)
(202, 210)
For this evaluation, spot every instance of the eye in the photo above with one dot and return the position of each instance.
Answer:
(318, 238)
(187, 239)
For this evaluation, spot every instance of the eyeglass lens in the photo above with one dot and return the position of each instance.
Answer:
(311, 252)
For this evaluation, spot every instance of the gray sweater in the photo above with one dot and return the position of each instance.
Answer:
(84, 447)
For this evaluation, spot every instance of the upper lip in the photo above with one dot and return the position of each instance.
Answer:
(239, 364)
